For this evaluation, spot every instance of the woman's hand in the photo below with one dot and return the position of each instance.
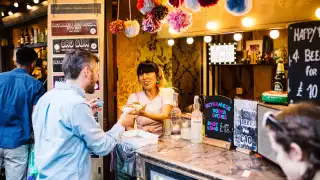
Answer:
(138, 111)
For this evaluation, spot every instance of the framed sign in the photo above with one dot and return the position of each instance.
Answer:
(61, 46)
(57, 64)
(245, 124)
(74, 27)
(304, 62)
(57, 78)
(218, 114)
(222, 54)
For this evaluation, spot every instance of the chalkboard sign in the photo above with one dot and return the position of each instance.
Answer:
(245, 124)
(58, 78)
(218, 114)
(61, 46)
(304, 61)
(57, 64)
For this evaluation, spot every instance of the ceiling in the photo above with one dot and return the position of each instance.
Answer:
(8, 5)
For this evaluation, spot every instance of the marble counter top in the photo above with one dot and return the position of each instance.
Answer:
(209, 161)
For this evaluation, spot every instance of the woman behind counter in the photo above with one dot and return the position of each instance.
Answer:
(156, 100)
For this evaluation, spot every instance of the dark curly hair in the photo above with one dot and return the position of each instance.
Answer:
(301, 124)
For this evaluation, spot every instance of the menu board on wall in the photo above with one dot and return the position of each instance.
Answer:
(245, 124)
(57, 78)
(218, 114)
(304, 61)
(222, 54)
(74, 27)
(57, 64)
(61, 46)
(88, 8)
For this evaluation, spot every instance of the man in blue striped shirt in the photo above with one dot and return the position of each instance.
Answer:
(64, 127)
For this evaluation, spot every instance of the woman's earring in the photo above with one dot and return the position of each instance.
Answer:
(158, 81)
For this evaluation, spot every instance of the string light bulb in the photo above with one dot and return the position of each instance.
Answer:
(29, 7)
(274, 34)
(207, 39)
(248, 22)
(2, 14)
(16, 4)
(36, 1)
(10, 13)
(171, 42)
(190, 40)
(318, 13)
(212, 25)
(237, 36)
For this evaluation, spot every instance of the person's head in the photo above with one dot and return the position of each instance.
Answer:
(150, 75)
(25, 58)
(294, 134)
(81, 66)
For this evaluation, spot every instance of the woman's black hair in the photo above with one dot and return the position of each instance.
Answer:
(302, 126)
(147, 67)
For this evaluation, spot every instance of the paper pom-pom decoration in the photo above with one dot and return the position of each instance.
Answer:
(145, 6)
(207, 3)
(193, 5)
(238, 7)
(115, 27)
(132, 28)
(160, 12)
(179, 20)
(176, 3)
(160, 2)
(150, 24)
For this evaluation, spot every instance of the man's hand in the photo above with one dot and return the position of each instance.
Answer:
(94, 104)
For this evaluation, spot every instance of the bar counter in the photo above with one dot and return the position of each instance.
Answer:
(201, 161)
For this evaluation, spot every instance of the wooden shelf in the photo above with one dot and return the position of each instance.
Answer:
(38, 45)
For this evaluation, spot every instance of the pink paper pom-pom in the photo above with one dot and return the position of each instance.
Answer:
(179, 20)
(150, 24)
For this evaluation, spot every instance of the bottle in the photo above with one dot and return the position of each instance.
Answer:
(26, 38)
(41, 38)
(280, 78)
(176, 116)
(38, 35)
(21, 37)
(45, 34)
(35, 36)
(31, 37)
(196, 122)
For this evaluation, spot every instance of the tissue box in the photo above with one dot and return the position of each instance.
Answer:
(138, 138)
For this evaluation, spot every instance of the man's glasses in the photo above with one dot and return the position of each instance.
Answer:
(269, 122)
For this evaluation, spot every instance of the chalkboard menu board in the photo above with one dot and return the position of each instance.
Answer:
(304, 61)
(57, 64)
(218, 114)
(61, 46)
(245, 124)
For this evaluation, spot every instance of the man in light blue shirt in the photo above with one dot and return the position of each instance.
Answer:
(64, 127)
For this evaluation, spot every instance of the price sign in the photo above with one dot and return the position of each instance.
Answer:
(304, 61)
(218, 114)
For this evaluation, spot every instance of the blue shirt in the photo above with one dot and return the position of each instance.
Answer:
(18, 93)
(66, 133)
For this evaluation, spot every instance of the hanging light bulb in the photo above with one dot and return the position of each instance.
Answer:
(171, 42)
(274, 34)
(10, 13)
(16, 4)
(36, 1)
(237, 36)
(248, 22)
(2, 14)
(29, 7)
(207, 39)
(190, 40)
(318, 13)
(212, 25)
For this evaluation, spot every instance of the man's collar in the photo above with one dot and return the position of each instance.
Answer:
(70, 86)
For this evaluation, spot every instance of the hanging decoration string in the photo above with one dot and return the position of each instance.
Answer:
(118, 10)
(117, 26)
(130, 9)
(132, 27)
